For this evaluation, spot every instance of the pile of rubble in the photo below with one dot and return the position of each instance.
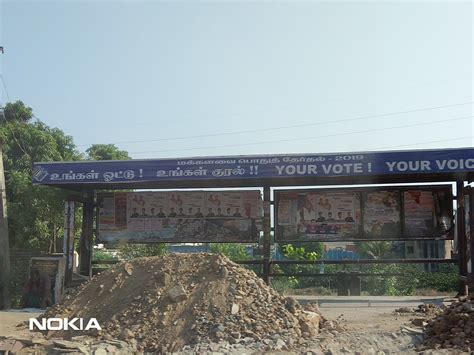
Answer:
(452, 328)
(78, 345)
(166, 303)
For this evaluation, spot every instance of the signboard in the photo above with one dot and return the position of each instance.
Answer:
(179, 216)
(256, 167)
(363, 214)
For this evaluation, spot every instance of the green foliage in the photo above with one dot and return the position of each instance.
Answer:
(375, 249)
(104, 254)
(106, 152)
(300, 253)
(35, 212)
(284, 285)
(446, 279)
(132, 251)
(232, 251)
(403, 285)
(408, 278)
(17, 112)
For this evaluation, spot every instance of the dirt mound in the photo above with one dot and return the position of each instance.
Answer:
(164, 303)
(452, 328)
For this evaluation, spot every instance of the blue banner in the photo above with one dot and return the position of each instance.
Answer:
(256, 167)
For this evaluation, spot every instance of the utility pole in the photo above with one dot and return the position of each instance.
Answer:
(4, 242)
(5, 301)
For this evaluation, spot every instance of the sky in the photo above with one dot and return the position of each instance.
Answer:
(165, 79)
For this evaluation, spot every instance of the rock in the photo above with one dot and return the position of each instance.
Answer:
(418, 322)
(224, 272)
(309, 323)
(177, 294)
(127, 333)
(128, 268)
(163, 279)
(409, 330)
(65, 344)
(235, 308)
(280, 344)
(290, 304)
(31, 341)
(10, 346)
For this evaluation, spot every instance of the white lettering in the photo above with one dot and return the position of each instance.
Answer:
(34, 322)
(70, 323)
(93, 324)
(391, 165)
(63, 324)
(59, 325)
(312, 169)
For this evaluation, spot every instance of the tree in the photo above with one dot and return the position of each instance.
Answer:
(35, 212)
(106, 152)
(376, 249)
(17, 112)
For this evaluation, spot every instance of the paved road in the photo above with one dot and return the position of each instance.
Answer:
(372, 301)
(10, 319)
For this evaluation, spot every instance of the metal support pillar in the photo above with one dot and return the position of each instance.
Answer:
(266, 235)
(68, 245)
(87, 235)
(461, 242)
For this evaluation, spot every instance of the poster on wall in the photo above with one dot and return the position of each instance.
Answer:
(180, 216)
(428, 213)
(364, 214)
(419, 217)
(382, 214)
(317, 216)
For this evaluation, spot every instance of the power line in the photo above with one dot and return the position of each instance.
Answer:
(5, 87)
(290, 126)
(307, 138)
(422, 143)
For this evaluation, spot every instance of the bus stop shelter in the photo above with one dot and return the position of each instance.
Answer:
(269, 173)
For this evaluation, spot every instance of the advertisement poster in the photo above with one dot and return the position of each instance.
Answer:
(107, 212)
(419, 213)
(350, 215)
(382, 214)
(180, 216)
(315, 216)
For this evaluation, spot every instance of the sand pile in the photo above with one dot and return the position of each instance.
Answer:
(452, 328)
(164, 303)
